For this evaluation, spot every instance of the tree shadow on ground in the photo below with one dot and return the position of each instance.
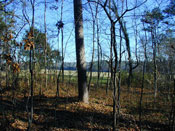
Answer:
(149, 124)
(51, 116)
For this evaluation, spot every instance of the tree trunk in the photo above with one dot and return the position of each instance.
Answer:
(119, 77)
(98, 49)
(113, 73)
(155, 65)
(141, 96)
(80, 52)
(45, 47)
(93, 48)
(62, 48)
(126, 36)
(32, 68)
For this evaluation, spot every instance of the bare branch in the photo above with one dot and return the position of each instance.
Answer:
(6, 3)
(127, 10)
(114, 10)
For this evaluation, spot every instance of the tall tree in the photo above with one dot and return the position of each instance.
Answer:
(94, 17)
(30, 45)
(170, 44)
(127, 42)
(45, 44)
(153, 19)
(80, 52)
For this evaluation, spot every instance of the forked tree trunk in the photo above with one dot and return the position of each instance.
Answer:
(80, 52)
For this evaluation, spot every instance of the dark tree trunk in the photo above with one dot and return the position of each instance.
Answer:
(80, 52)
(32, 68)
(114, 46)
(45, 46)
(62, 44)
(141, 96)
(98, 49)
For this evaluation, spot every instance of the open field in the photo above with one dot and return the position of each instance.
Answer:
(74, 73)
(66, 72)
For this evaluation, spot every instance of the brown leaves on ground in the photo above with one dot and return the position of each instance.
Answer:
(65, 112)
(20, 125)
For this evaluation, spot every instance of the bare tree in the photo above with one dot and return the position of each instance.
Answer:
(62, 40)
(127, 42)
(99, 52)
(31, 65)
(94, 17)
(45, 46)
(113, 48)
(153, 19)
(144, 43)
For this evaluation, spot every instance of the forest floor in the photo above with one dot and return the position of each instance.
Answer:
(67, 113)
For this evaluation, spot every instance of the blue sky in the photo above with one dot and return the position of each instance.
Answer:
(53, 16)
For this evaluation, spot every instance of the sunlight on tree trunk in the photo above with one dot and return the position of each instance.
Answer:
(80, 52)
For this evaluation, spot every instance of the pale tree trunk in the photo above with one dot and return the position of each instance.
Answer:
(80, 52)
(107, 83)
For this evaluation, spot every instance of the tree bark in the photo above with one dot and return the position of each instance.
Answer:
(155, 64)
(45, 46)
(32, 68)
(98, 50)
(62, 48)
(80, 52)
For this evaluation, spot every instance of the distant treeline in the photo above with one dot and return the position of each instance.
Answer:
(163, 66)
